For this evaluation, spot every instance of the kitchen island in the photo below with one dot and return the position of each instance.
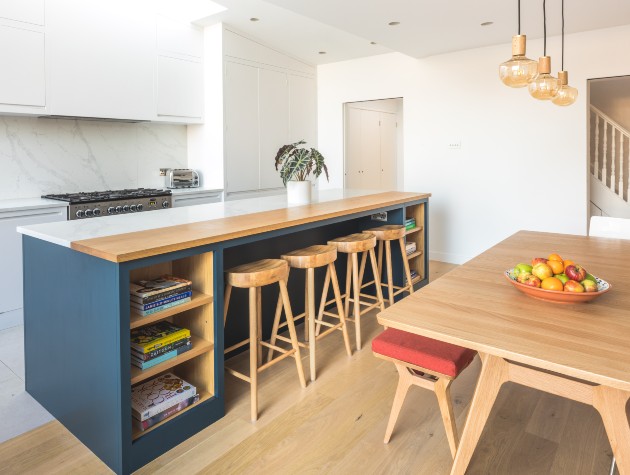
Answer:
(78, 316)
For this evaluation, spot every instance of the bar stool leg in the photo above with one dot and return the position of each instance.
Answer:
(276, 322)
(291, 324)
(357, 310)
(259, 314)
(362, 268)
(342, 317)
(388, 259)
(310, 294)
(226, 302)
(377, 279)
(322, 302)
(348, 284)
(253, 352)
(403, 251)
(307, 337)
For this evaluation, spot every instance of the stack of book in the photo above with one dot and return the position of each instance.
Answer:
(156, 343)
(151, 296)
(410, 223)
(410, 247)
(159, 398)
(414, 275)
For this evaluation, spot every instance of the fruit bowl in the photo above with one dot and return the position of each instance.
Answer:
(557, 296)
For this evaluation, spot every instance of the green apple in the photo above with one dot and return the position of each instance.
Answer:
(589, 285)
(591, 278)
(514, 273)
(562, 277)
(523, 268)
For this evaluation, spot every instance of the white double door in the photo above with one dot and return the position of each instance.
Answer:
(371, 149)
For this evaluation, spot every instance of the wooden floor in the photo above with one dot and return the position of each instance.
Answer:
(336, 425)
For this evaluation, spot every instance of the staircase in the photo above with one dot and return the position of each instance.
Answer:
(609, 166)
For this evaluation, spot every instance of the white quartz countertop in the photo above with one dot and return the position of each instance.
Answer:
(64, 233)
(21, 204)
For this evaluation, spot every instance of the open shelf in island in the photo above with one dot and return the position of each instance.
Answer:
(413, 230)
(416, 259)
(198, 299)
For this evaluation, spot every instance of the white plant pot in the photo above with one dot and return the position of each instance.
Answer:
(298, 192)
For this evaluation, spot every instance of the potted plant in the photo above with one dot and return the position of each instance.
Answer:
(296, 164)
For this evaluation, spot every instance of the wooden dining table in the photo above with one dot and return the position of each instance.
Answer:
(579, 351)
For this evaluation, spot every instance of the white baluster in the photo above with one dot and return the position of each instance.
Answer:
(596, 167)
(605, 154)
(621, 164)
(613, 181)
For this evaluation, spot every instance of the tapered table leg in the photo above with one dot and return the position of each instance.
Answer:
(611, 404)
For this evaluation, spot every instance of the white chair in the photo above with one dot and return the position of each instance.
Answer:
(603, 226)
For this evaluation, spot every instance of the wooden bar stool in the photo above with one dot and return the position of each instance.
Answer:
(385, 235)
(253, 276)
(353, 245)
(424, 362)
(309, 259)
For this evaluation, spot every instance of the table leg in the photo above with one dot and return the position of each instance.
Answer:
(611, 405)
(494, 373)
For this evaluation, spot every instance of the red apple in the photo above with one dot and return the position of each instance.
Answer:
(532, 281)
(589, 285)
(575, 272)
(542, 271)
(573, 286)
(538, 260)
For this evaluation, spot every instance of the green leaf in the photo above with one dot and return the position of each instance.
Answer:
(297, 163)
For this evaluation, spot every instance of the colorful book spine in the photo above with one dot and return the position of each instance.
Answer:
(159, 343)
(161, 296)
(144, 425)
(146, 313)
(165, 357)
(158, 394)
(159, 303)
(160, 351)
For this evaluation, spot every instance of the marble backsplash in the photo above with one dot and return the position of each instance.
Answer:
(40, 156)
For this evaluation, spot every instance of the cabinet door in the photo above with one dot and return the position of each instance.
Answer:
(353, 148)
(303, 109)
(11, 251)
(179, 37)
(179, 87)
(27, 11)
(102, 57)
(22, 61)
(370, 150)
(241, 127)
(273, 107)
(389, 152)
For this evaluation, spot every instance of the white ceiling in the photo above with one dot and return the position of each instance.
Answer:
(345, 28)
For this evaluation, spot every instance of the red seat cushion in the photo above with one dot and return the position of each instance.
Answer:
(421, 351)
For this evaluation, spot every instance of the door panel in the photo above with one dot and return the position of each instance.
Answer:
(370, 150)
(274, 123)
(389, 151)
(353, 148)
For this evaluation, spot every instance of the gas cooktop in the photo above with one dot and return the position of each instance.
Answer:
(112, 202)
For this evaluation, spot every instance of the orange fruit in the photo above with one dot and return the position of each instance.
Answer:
(554, 257)
(552, 283)
(568, 263)
(556, 266)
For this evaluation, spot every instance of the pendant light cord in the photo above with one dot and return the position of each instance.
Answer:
(544, 28)
(562, 35)
(519, 16)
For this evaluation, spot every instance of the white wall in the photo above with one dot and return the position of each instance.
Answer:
(522, 164)
(40, 156)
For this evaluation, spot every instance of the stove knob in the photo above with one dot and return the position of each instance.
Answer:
(88, 213)
(165, 204)
(140, 207)
(97, 211)
(126, 208)
(111, 210)
(119, 209)
(79, 213)
(132, 208)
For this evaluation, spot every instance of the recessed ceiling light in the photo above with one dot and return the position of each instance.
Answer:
(254, 19)
(394, 23)
(373, 42)
(322, 52)
(487, 23)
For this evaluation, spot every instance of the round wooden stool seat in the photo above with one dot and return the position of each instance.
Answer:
(389, 232)
(257, 274)
(352, 243)
(311, 257)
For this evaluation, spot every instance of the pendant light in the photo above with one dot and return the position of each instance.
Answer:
(518, 70)
(544, 86)
(566, 94)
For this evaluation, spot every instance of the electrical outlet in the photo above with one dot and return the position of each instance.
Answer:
(455, 144)
(380, 216)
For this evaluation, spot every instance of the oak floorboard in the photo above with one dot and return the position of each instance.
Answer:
(336, 426)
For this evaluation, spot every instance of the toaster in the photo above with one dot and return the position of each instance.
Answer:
(182, 178)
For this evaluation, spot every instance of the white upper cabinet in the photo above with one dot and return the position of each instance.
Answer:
(179, 78)
(273, 109)
(27, 11)
(303, 100)
(22, 57)
(102, 58)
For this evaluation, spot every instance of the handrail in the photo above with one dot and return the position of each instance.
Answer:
(610, 121)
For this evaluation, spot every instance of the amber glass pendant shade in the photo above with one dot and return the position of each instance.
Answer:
(519, 70)
(544, 86)
(567, 95)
